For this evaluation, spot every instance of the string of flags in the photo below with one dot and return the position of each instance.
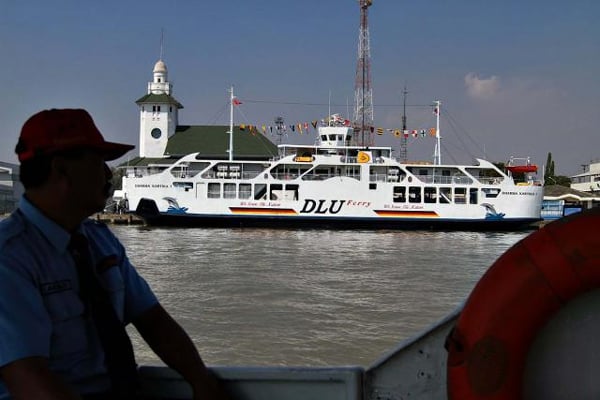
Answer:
(335, 120)
(305, 128)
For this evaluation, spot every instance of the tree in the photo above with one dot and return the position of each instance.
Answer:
(117, 178)
(549, 168)
(550, 178)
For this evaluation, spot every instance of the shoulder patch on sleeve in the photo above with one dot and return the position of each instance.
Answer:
(10, 228)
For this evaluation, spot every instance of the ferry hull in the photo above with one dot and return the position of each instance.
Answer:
(148, 210)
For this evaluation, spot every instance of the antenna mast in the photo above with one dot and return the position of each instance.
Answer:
(231, 100)
(437, 154)
(403, 138)
(162, 39)
(363, 93)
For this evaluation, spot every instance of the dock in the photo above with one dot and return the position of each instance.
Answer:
(118, 219)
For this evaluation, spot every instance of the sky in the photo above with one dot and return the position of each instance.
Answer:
(515, 78)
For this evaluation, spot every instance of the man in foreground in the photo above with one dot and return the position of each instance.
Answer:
(67, 289)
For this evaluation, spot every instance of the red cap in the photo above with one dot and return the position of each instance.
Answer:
(50, 131)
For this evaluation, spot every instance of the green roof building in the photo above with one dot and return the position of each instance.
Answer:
(163, 140)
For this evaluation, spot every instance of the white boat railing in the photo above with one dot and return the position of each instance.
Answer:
(415, 369)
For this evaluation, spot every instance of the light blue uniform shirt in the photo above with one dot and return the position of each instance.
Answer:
(41, 313)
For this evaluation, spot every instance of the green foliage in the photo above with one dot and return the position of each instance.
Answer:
(562, 180)
(117, 177)
(549, 167)
(550, 178)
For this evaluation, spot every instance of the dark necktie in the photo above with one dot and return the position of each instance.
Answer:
(118, 351)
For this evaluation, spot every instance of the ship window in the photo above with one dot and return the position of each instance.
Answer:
(194, 168)
(460, 195)
(487, 176)
(183, 185)
(214, 190)
(289, 171)
(322, 172)
(260, 191)
(372, 186)
(430, 194)
(275, 192)
(324, 138)
(414, 194)
(473, 196)
(491, 192)
(229, 191)
(245, 191)
(352, 171)
(399, 194)
(445, 195)
(291, 192)
(378, 173)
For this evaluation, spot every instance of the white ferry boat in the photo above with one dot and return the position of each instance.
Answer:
(331, 184)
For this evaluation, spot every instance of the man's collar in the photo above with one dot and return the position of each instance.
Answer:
(54, 233)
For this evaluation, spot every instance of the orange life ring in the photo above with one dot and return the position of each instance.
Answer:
(520, 292)
(363, 157)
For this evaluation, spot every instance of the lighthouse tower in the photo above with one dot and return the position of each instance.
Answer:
(158, 114)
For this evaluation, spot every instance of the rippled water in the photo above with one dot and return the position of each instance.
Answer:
(306, 297)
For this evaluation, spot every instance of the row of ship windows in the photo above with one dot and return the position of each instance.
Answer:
(401, 194)
(309, 172)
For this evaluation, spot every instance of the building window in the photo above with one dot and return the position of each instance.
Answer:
(156, 133)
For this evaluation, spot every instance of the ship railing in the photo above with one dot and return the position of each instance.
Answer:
(323, 176)
(445, 180)
(284, 176)
(354, 160)
(383, 178)
(489, 180)
(317, 177)
(229, 175)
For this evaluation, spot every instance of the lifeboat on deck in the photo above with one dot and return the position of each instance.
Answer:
(523, 167)
(520, 169)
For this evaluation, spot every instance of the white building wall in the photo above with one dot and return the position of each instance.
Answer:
(157, 120)
(589, 181)
(155, 129)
